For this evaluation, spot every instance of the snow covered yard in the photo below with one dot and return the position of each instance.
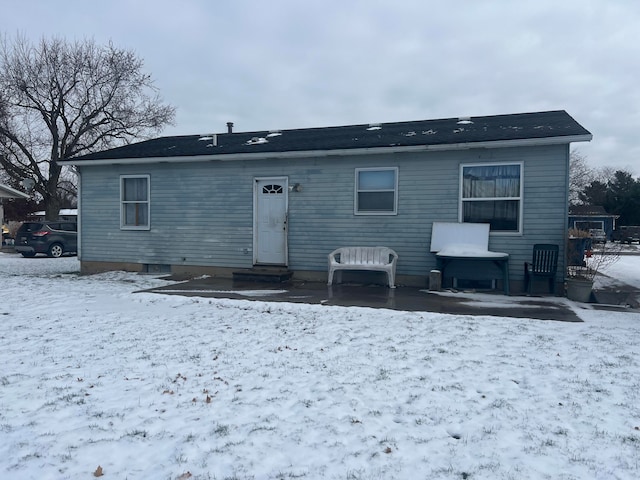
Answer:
(147, 386)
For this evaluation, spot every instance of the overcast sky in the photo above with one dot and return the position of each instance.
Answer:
(282, 64)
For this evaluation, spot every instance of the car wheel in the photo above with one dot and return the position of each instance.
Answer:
(28, 254)
(55, 250)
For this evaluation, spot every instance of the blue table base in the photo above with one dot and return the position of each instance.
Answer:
(501, 262)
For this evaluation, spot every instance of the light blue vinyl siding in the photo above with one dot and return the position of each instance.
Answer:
(202, 213)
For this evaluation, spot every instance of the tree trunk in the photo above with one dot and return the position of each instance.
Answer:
(51, 195)
(52, 208)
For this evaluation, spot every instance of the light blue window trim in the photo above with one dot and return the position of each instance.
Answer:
(135, 202)
(376, 191)
(493, 193)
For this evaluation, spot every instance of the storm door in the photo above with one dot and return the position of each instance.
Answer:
(270, 221)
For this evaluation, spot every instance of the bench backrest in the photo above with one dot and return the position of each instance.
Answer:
(545, 258)
(365, 255)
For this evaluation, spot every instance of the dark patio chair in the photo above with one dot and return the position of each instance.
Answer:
(544, 265)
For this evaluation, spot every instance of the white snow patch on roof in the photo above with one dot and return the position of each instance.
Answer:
(257, 141)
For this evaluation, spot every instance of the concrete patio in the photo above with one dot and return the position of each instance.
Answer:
(400, 298)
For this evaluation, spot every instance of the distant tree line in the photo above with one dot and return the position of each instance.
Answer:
(615, 190)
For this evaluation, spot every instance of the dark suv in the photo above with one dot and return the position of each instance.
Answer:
(51, 237)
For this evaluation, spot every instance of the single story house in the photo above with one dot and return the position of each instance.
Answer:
(588, 217)
(219, 202)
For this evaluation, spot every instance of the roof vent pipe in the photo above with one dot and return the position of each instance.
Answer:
(229, 127)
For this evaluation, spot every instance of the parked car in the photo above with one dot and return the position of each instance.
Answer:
(627, 234)
(53, 238)
(598, 235)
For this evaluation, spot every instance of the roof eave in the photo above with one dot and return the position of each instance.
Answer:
(525, 142)
(8, 192)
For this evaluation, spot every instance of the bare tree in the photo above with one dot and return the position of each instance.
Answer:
(60, 99)
(580, 176)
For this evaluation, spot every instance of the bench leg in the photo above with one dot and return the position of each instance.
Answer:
(505, 276)
(337, 274)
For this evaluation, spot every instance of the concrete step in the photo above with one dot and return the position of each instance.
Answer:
(263, 274)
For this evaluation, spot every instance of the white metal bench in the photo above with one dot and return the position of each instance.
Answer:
(381, 259)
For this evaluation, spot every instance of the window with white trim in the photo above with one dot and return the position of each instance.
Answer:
(492, 193)
(134, 202)
(376, 191)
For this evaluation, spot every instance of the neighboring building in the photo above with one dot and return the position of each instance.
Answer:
(221, 202)
(8, 192)
(65, 214)
(589, 217)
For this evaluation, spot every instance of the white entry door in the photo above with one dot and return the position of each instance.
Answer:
(270, 221)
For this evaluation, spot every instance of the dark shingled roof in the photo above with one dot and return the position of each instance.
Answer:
(450, 131)
(587, 210)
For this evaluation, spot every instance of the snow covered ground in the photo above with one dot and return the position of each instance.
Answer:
(96, 380)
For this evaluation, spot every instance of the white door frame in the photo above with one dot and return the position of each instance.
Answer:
(285, 228)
